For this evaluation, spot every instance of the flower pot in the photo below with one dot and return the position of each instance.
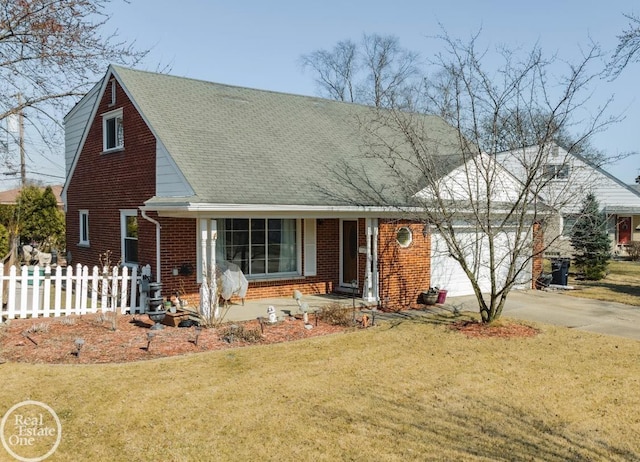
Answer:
(429, 298)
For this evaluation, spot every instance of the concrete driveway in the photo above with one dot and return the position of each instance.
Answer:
(555, 307)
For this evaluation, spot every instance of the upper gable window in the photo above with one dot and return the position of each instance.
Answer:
(556, 171)
(112, 130)
(113, 92)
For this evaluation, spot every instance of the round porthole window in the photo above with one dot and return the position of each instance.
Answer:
(404, 237)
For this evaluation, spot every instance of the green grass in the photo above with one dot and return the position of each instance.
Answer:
(414, 390)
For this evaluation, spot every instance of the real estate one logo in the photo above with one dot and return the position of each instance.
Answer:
(30, 431)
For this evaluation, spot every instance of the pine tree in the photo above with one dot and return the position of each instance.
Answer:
(590, 240)
(40, 220)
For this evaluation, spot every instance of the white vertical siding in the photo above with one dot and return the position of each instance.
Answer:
(170, 182)
(583, 179)
(75, 124)
(310, 261)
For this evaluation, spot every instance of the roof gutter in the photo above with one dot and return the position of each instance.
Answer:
(158, 227)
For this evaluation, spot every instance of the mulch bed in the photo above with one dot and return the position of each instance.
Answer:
(52, 340)
(475, 329)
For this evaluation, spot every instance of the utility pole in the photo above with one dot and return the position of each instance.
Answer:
(23, 167)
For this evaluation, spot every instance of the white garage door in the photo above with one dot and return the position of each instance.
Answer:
(446, 273)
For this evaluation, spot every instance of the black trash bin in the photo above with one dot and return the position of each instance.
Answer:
(560, 271)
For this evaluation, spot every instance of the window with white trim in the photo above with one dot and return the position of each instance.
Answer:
(259, 246)
(113, 130)
(568, 223)
(84, 227)
(555, 171)
(129, 233)
(113, 92)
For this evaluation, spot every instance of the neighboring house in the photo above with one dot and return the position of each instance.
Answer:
(175, 173)
(10, 197)
(572, 178)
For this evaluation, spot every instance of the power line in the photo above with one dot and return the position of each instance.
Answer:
(31, 172)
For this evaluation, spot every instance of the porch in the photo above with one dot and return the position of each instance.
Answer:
(252, 309)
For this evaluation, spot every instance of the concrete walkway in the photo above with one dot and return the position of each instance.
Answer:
(284, 306)
(549, 307)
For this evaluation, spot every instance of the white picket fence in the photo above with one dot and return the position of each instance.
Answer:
(32, 291)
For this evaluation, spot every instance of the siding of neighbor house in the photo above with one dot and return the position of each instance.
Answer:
(584, 178)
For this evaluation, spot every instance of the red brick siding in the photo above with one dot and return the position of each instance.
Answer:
(403, 272)
(538, 249)
(106, 183)
(179, 244)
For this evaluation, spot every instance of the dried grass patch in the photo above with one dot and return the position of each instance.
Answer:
(621, 285)
(408, 390)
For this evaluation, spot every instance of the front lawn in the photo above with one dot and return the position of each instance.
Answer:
(411, 390)
(622, 284)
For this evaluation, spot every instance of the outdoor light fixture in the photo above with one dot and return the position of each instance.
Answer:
(198, 330)
(354, 286)
(79, 343)
(231, 333)
(150, 336)
(426, 230)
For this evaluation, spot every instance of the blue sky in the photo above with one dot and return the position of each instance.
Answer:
(257, 43)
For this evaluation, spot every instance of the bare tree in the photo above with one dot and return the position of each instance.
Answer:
(486, 205)
(335, 70)
(628, 47)
(377, 71)
(50, 53)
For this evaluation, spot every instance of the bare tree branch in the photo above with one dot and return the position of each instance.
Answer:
(459, 176)
(627, 49)
(377, 71)
(51, 52)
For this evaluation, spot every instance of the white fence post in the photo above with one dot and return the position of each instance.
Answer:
(123, 297)
(114, 289)
(46, 292)
(68, 285)
(133, 303)
(95, 286)
(11, 296)
(57, 302)
(35, 292)
(24, 291)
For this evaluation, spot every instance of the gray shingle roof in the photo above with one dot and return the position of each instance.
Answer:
(243, 146)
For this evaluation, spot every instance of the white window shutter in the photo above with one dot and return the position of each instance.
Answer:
(310, 247)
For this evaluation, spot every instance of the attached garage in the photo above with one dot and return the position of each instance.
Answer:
(446, 273)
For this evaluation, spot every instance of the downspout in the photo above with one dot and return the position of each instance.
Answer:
(158, 227)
